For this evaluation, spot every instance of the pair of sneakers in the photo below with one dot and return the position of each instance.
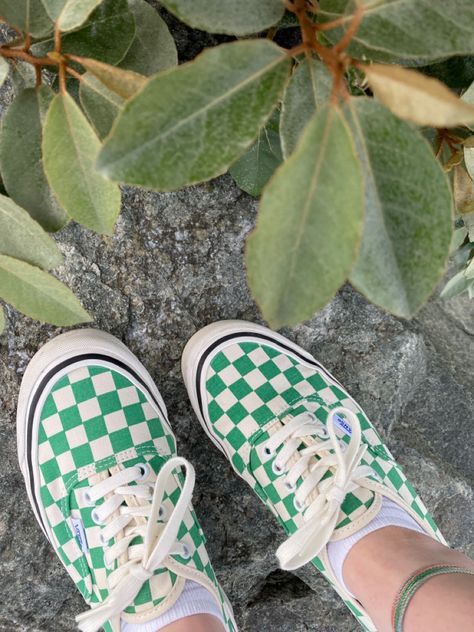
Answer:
(114, 499)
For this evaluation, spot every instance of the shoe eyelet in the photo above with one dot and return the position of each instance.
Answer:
(268, 453)
(343, 446)
(277, 468)
(144, 471)
(291, 488)
(322, 433)
(95, 517)
(162, 513)
(299, 506)
(103, 541)
(86, 495)
(186, 554)
(377, 476)
(108, 565)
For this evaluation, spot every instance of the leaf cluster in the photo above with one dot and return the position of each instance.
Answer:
(354, 150)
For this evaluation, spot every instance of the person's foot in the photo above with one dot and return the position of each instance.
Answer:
(298, 438)
(102, 475)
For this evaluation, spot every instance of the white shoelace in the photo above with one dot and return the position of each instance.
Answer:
(159, 538)
(320, 516)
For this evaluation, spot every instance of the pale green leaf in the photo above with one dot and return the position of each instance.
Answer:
(308, 89)
(4, 70)
(28, 16)
(125, 83)
(408, 211)
(191, 123)
(423, 29)
(70, 14)
(106, 35)
(21, 160)
(38, 294)
(252, 171)
(458, 238)
(70, 148)
(101, 105)
(469, 271)
(153, 48)
(23, 238)
(470, 290)
(23, 75)
(228, 16)
(309, 224)
(415, 97)
(456, 285)
(2, 320)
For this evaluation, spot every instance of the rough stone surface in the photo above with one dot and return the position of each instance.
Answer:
(174, 265)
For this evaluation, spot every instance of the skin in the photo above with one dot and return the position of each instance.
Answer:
(379, 564)
(374, 571)
(196, 623)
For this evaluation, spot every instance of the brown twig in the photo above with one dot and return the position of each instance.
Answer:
(62, 62)
(23, 55)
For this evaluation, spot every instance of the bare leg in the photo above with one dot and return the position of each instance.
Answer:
(379, 564)
(196, 623)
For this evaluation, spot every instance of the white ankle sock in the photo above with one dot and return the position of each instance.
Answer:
(390, 515)
(194, 599)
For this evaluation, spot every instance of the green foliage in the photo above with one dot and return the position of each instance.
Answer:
(410, 29)
(308, 89)
(228, 16)
(20, 154)
(101, 105)
(70, 147)
(2, 320)
(253, 170)
(407, 229)
(38, 294)
(297, 261)
(23, 238)
(228, 93)
(153, 48)
(350, 191)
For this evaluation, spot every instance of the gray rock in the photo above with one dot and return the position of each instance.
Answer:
(173, 265)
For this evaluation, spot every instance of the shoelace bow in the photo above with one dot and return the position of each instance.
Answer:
(159, 541)
(321, 515)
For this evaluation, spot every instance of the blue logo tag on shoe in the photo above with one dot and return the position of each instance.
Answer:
(79, 532)
(342, 424)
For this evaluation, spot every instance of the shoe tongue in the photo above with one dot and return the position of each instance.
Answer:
(357, 502)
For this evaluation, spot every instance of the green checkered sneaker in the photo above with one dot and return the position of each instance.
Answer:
(100, 465)
(292, 431)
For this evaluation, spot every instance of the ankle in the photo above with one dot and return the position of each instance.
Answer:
(378, 565)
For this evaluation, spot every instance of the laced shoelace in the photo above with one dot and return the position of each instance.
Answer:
(158, 532)
(321, 514)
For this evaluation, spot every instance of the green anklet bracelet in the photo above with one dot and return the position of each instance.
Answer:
(413, 583)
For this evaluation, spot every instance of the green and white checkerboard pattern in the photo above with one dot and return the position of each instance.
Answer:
(94, 422)
(252, 390)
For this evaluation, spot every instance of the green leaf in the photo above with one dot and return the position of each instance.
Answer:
(2, 320)
(409, 28)
(228, 16)
(69, 14)
(191, 123)
(70, 148)
(252, 171)
(309, 89)
(23, 75)
(458, 284)
(21, 160)
(38, 294)
(28, 16)
(125, 83)
(101, 105)
(23, 238)
(309, 224)
(4, 70)
(106, 36)
(408, 216)
(153, 48)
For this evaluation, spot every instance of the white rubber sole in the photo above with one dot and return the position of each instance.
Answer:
(48, 360)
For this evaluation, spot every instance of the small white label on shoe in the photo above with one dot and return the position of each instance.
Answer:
(342, 424)
(79, 532)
